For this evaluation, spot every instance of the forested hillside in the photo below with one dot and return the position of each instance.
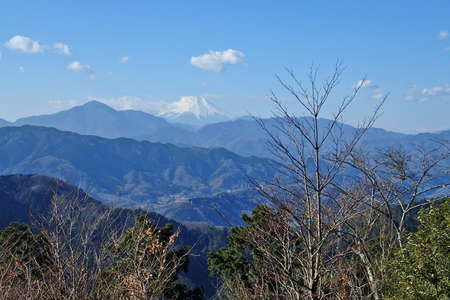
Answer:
(28, 199)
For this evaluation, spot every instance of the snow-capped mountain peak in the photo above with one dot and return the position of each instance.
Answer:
(192, 109)
(198, 106)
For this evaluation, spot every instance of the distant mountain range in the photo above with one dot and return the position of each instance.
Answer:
(27, 198)
(245, 136)
(128, 173)
(4, 123)
(181, 181)
(242, 136)
(95, 118)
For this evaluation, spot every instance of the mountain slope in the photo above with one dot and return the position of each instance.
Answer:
(127, 172)
(4, 123)
(25, 198)
(223, 209)
(96, 118)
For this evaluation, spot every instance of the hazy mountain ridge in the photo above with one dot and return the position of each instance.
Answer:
(127, 172)
(96, 118)
(4, 123)
(243, 136)
(246, 137)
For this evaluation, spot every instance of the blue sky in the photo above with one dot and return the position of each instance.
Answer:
(403, 47)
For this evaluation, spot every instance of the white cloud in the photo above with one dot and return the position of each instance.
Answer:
(24, 44)
(443, 34)
(21, 69)
(426, 94)
(119, 103)
(133, 103)
(124, 59)
(437, 91)
(76, 66)
(123, 103)
(377, 92)
(363, 83)
(412, 94)
(62, 49)
(27, 45)
(216, 60)
(58, 105)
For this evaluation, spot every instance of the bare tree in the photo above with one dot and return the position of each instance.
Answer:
(85, 251)
(146, 262)
(23, 262)
(397, 184)
(78, 234)
(315, 191)
(405, 180)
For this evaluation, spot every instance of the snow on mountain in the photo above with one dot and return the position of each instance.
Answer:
(193, 110)
(198, 106)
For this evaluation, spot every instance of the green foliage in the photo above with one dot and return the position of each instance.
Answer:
(421, 268)
(26, 251)
(237, 257)
(242, 259)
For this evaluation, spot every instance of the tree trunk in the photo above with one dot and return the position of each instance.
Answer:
(370, 274)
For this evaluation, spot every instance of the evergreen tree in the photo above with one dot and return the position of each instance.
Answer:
(421, 269)
(260, 256)
(26, 251)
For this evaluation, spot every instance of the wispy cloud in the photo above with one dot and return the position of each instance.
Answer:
(22, 69)
(377, 92)
(62, 49)
(437, 91)
(443, 34)
(413, 93)
(122, 103)
(124, 59)
(24, 44)
(118, 103)
(132, 103)
(216, 60)
(363, 83)
(76, 66)
(58, 105)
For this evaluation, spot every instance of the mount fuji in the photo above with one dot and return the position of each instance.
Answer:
(192, 110)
